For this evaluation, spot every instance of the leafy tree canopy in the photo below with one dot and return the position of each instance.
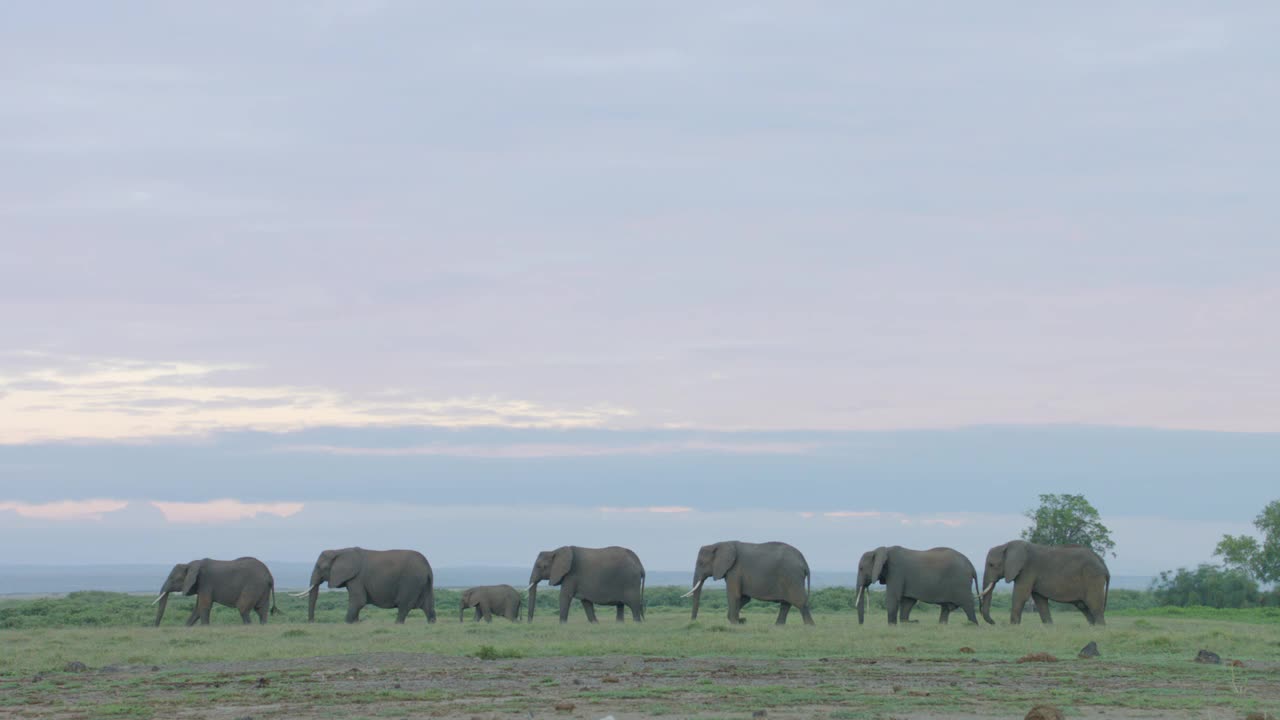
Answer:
(1066, 520)
(1261, 560)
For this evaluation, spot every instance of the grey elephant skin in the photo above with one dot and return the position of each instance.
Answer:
(939, 575)
(400, 579)
(244, 584)
(490, 600)
(770, 571)
(595, 576)
(1071, 574)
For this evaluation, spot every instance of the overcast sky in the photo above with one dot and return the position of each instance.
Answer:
(701, 248)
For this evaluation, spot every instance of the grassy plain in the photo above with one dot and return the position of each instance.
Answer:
(668, 666)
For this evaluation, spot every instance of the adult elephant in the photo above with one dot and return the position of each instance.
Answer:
(595, 576)
(400, 579)
(939, 575)
(490, 600)
(771, 571)
(1071, 574)
(244, 584)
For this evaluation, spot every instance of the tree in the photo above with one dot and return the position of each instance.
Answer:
(1261, 560)
(1207, 585)
(1066, 520)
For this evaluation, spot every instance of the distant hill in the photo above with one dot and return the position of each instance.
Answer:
(61, 579)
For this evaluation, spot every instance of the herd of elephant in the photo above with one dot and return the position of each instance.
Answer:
(614, 576)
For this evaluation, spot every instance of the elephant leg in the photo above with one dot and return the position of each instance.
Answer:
(429, 604)
(566, 599)
(621, 616)
(477, 616)
(194, 617)
(945, 615)
(204, 604)
(1042, 607)
(590, 609)
(487, 613)
(1093, 601)
(904, 610)
(355, 601)
(637, 610)
(402, 612)
(806, 615)
(969, 610)
(891, 601)
(1021, 591)
(784, 608)
(733, 592)
(263, 610)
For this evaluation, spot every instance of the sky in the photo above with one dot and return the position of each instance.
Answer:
(487, 278)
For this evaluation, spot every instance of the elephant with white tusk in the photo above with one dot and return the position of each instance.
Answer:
(400, 579)
(244, 584)
(489, 600)
(771, 571)
(595, 576)
(940, 575)
(1071, 574)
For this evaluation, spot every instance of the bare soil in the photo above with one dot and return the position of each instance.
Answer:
(405, 685)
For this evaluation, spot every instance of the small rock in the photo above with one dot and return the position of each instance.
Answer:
(1236, 663)
(155, 668)
(1037, 657)
(1044, 712)
(261, 683)
(396, 685)
(576, 681)
(897, 688)
(1208, 658)
(760, 713)
(609, 679)
(245, 717)
(75, 666)
(900, 649)
(565, 707)
(918, 693)
(109, 669)
(1089, 651)
(967, 650)
(38, 677)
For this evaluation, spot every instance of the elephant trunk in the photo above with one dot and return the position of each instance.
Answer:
(311, 602)
(989, 589)
(462, 611)
(533, 599)
(164, 600)
(697, 600)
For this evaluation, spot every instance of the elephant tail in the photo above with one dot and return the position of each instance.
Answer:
(274, 609)
(1106, 589)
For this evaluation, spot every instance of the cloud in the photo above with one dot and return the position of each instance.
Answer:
(662, 509)
(119, 399)
(564, 450)
(223, 511)
(65, 509)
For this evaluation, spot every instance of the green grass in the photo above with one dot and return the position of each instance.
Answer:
(1145, 665)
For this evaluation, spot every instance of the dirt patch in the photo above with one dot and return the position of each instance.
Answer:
(1037, 657)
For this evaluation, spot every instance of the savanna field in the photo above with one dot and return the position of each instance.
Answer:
(95, 655)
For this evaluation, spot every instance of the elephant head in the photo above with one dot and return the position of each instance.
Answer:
(466, 603)
(552, 566)
(182, 578)
(336, 567)
(871, 568)
(1004, 562)
(714, 561)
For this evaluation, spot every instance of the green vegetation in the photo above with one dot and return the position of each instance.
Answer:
(1261, 561)
(1068, 520)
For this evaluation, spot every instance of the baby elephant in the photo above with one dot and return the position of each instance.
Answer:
(491, 600)
(244, 584)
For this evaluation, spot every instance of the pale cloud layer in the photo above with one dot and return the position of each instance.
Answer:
(826, 215)
(64, 510)
(131, 399)
(222, 511)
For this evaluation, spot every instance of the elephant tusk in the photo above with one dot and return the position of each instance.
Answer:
(304, 592)
(858, 599)
(694, 589)
(530, 587)
(987, 589)
(158, 598)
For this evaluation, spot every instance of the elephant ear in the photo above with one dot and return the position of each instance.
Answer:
(192, 577)
(344, 569)
(726, 555)
(561, 564)
(881, 559)
(1015, 558)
